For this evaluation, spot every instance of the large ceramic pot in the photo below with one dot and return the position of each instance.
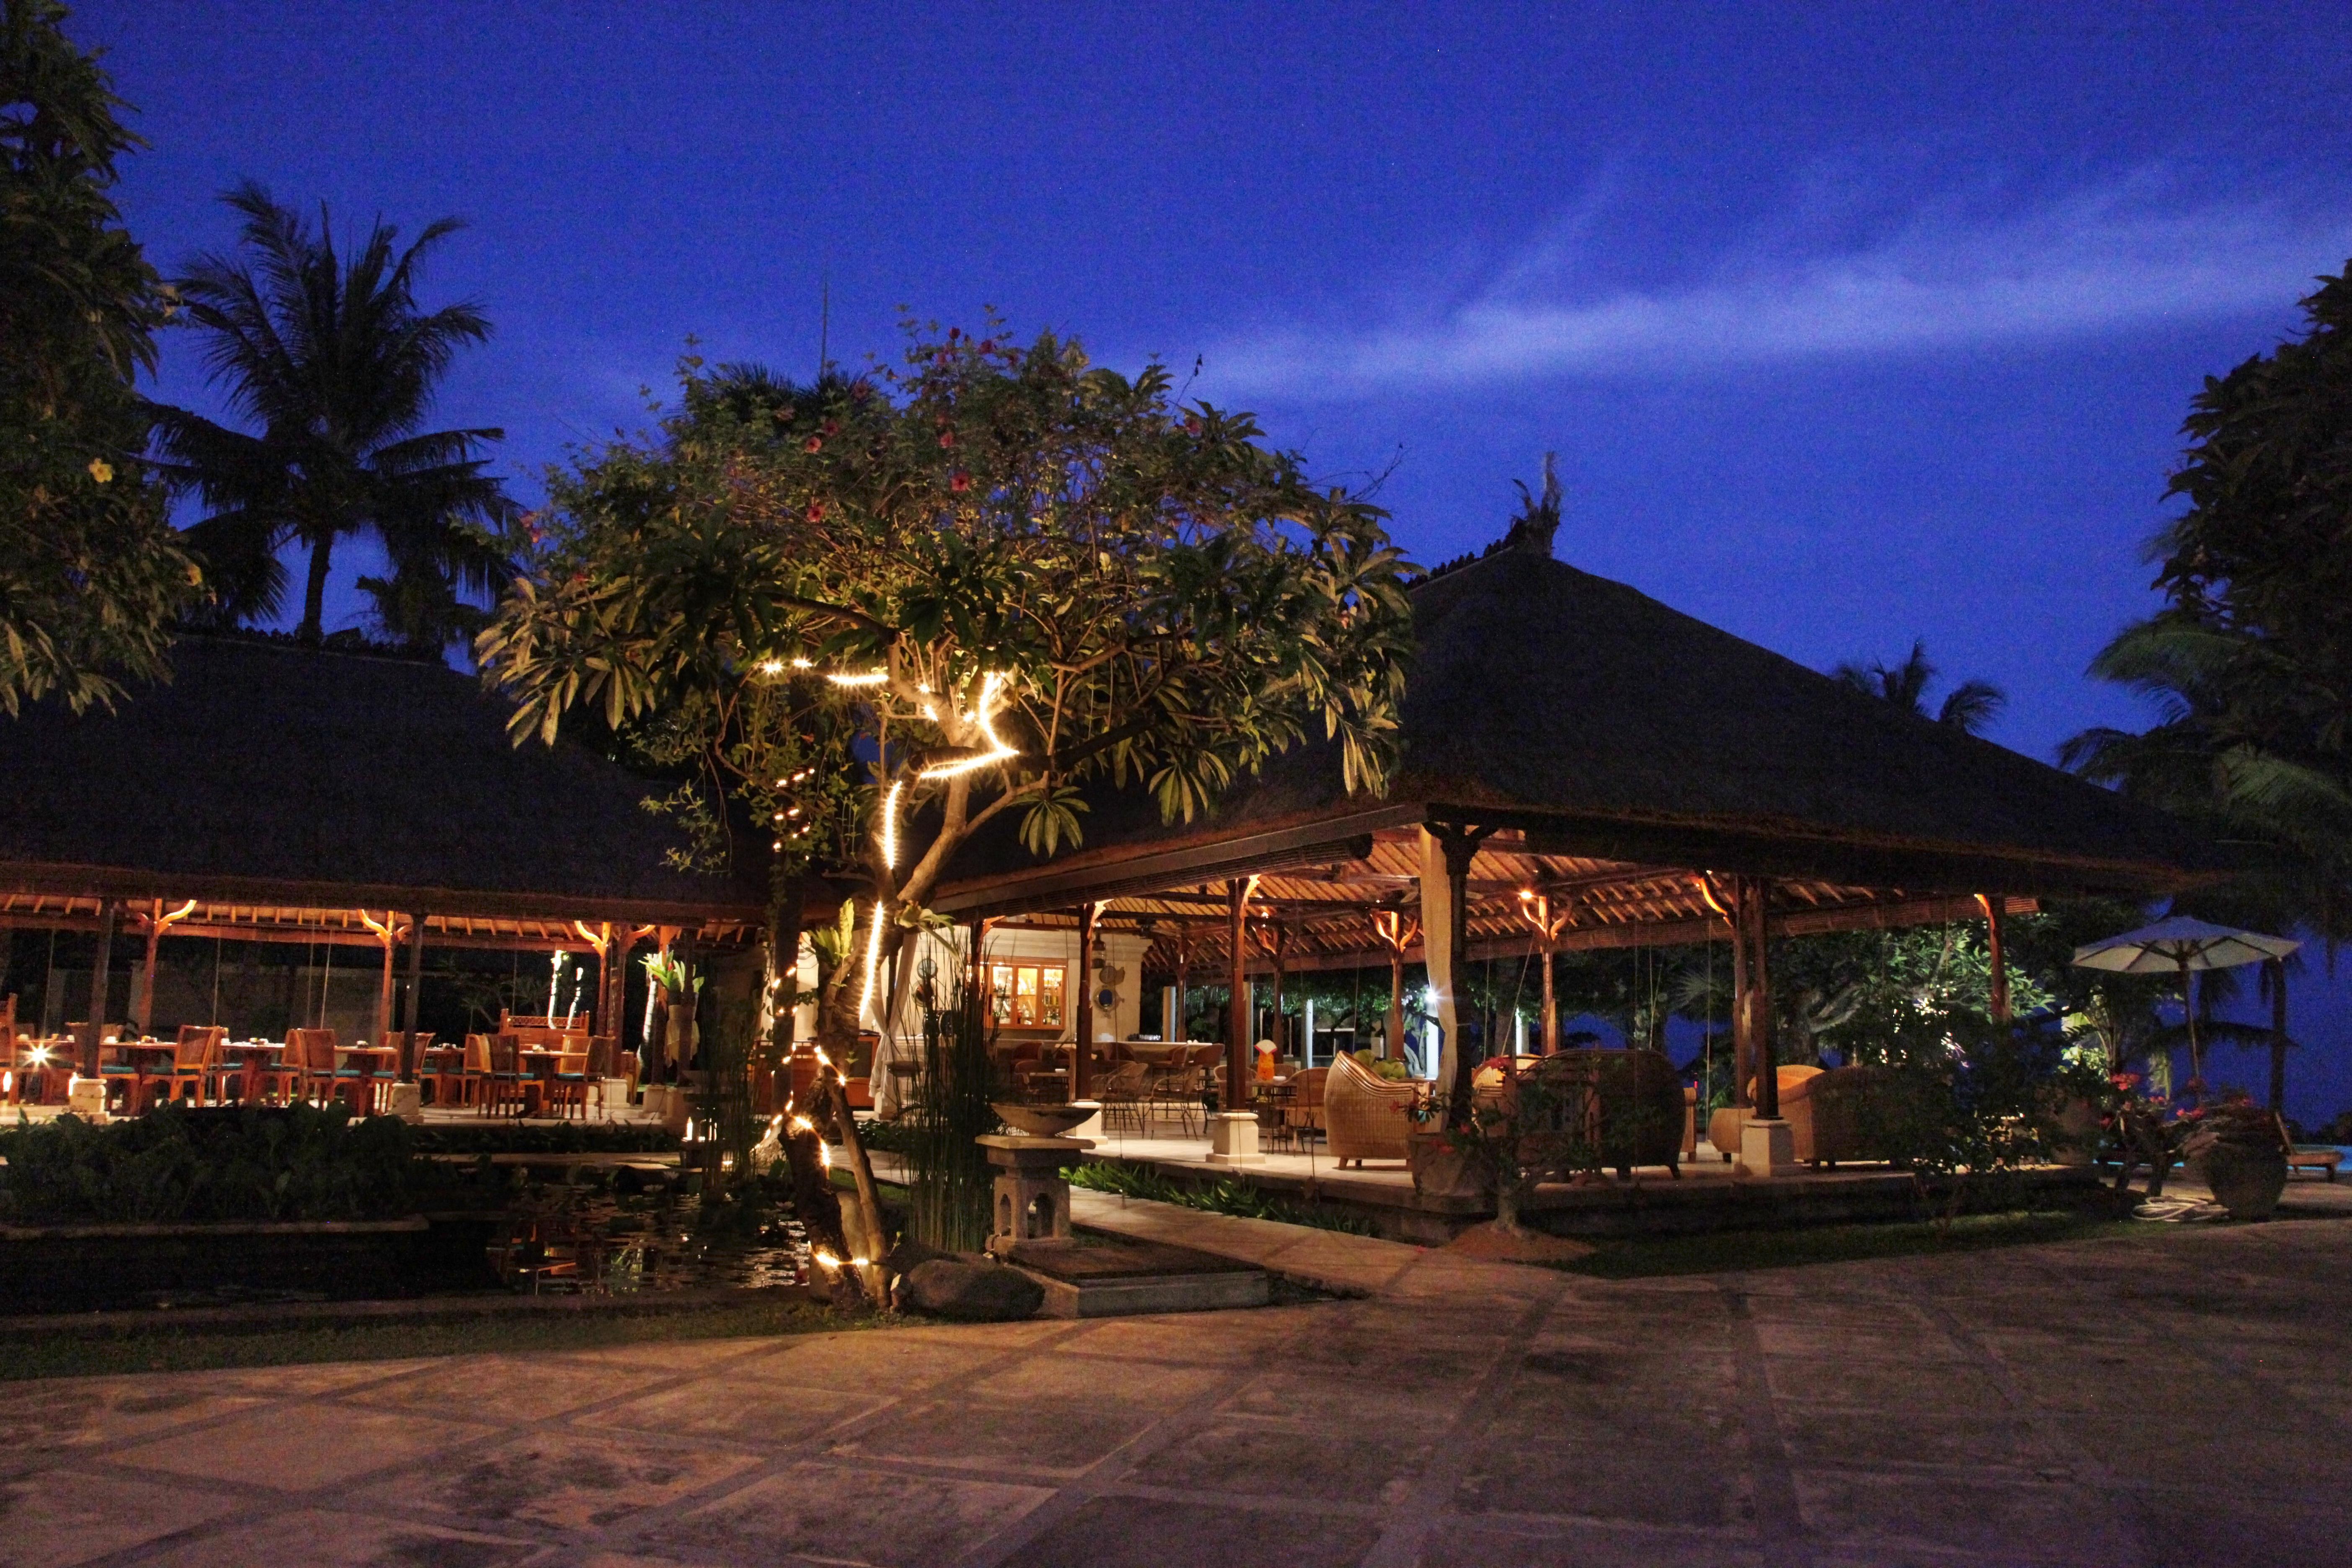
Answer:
(2246, 1182)
(1438, 1171)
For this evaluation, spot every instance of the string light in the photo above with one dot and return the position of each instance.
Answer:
(871, 677)
(985, 720)
(771, 667)
(890, 825)
(873, 960)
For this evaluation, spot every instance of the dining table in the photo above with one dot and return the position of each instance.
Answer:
(382, 1064)
(147, 1059)
(254, 1059)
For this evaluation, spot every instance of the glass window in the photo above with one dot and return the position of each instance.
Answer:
(1050, 994)
(1026, 995)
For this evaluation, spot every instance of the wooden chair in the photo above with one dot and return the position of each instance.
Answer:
(503, 1086)
(195, 1062)
(567, 1084)
(311, 1063)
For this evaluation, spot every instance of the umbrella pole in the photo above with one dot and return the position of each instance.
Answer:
(2278, 1034)
(2189, 1014)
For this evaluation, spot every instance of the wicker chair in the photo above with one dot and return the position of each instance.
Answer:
(1724, 1127)
(1617, 1109)
(1366, 1116)
(1125, 1097)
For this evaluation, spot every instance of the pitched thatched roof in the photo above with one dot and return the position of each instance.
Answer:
(1606, 725)
(266, 772)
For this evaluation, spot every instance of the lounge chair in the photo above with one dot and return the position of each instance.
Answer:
(1366, 1116)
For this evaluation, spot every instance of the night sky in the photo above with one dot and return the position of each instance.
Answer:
(1850, 325)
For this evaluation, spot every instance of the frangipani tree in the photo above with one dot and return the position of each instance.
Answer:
(979, 582)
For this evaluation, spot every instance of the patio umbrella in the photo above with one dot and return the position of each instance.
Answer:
(2183, 943)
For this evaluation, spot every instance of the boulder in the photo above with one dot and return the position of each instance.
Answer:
(970, 1292)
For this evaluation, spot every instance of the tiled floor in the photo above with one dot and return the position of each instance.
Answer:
(2172, 1397)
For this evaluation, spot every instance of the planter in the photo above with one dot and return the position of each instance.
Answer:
(2246, 1182)
(1438, 1171)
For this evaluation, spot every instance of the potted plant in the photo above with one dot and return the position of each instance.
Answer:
(2240, 1150)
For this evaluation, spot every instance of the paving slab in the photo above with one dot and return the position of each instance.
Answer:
(2168, 1397)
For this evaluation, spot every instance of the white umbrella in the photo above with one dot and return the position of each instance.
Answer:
(2183, 943)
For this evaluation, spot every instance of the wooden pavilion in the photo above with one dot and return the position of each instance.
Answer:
(1584, 767)
(276, 793)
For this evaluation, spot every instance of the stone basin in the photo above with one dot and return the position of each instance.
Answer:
(1043, 1121)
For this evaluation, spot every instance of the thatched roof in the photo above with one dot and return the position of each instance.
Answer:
(1608, 727)
(270, 774)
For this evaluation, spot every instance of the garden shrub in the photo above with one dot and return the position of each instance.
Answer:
(178, 1165)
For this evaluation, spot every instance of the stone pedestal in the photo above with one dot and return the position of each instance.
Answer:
(1033, 1201)
(86, 1098)
(1233, 1139)
(1768, 1149)
(405, 1100)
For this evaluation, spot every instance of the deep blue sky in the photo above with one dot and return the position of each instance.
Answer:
(1850, 325)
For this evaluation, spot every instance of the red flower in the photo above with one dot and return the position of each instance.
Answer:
(833, 426)
(947, 438)
(1191, 425)
(814, 444)
(961, 482)
(816, 512)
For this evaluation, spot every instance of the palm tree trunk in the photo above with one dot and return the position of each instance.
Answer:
(314, 595)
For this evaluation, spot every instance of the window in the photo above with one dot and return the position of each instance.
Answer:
(1026, 995)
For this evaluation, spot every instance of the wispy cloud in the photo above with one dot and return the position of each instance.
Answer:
(1944, 276)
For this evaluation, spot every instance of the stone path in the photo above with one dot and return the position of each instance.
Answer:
(2174, 1398)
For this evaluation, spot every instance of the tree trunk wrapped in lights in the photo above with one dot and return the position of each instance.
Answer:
(871, 616)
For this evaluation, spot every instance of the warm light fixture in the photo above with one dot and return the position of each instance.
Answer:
(871, 677)
(890, 825)
(873, 960)
(985, 718)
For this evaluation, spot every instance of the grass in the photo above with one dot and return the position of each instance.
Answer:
(1243, 1200)
(1718, 1252)
(77, 1352)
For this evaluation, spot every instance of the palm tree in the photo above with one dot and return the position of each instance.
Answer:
(1970, 707)
(332, 358)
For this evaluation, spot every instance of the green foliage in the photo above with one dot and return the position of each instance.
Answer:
(178, 1165)
(1971, 707)
(950, 1183)
(2249, 664)
(553, 1138)
(331, 357)
(1036, 574)
(1226, 1195)
(1968, 1119)
(91, 574)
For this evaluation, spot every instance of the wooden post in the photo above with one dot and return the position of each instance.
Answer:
(1752, 1007)
(1280, 1033)
(1082, 1011)
(1175, 1028)
(142, 1008)
(1447, 851)
(1743, 1045)
(2277, 976)
(109, 912)
(1237, 1008)
(1997, 996)
(411, 1004)
(1396, 933)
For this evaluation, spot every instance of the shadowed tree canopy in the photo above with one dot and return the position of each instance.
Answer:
(333, 361)
(1004, 570)
(1971, 706)
(2250, 661)
(90, 573)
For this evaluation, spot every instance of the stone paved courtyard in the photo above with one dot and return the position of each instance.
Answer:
(2172, 1397)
